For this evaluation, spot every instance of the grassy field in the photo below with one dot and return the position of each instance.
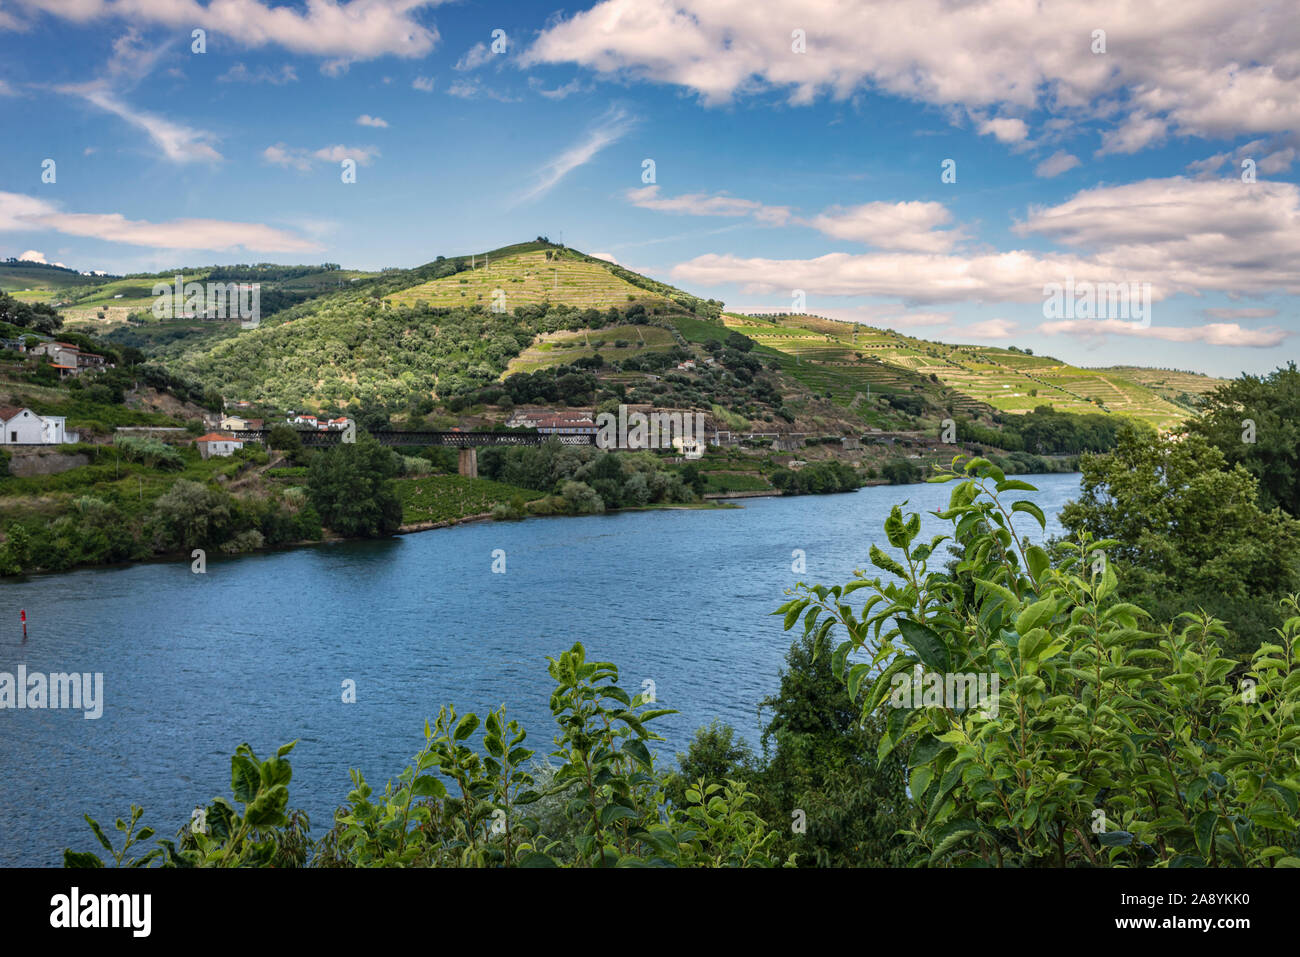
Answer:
(450, 498)
(529, 278)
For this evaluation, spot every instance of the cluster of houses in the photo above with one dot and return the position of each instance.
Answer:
(322, 425)
(70, 360)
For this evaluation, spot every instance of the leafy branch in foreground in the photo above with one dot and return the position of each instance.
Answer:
(1102, 743)
(460, 805)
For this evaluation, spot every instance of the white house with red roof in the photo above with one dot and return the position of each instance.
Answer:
(217, 443)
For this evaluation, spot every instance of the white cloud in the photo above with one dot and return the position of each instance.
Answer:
(704, 204)
(355, 30)
(1191, 67)
(302, 158)
(474, 57)
(609, 129)
(912, 225)
(366, 119)
(32, 256)
(1213, 334)
(423, 83)
(1056, 164)
(1005, 129)
(560, 92)
(605, 256)
(180, 144)
(1179, 235)
(1137, 133)
(242, 74)
(23, 213)
(989, 329)
(908, 225)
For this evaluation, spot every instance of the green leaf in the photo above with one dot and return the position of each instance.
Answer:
(1032, 509)
(639, 752)
(426, 785)
(465, 727)
(1206, 822)
(1015, 485)
(244, 778)
(884, 562)
(1036, 615)
(1038, 562)
(929, 647)
(614, 812)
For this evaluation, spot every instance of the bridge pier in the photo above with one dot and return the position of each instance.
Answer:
(469, 462)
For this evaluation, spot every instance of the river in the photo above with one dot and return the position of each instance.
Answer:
(258, 648)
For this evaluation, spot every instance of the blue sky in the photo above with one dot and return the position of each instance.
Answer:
(776, 169)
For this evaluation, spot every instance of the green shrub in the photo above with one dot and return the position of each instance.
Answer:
(1102, 742)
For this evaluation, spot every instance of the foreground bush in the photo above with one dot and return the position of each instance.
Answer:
(1103, 744)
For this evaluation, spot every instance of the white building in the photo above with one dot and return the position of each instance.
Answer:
(214, 443)
(19, 426)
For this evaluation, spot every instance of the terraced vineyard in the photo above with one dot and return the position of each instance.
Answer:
(613, 342)
(842, 357)
(1173, 385)
(529, 278)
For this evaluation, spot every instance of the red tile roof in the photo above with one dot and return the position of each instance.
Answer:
(9, 411)
(217, 437)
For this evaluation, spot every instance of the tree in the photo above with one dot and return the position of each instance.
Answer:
(819, 758)
(1189, 532)
(739, 342)
(349, 486)
(1255, 422)
(190, 515)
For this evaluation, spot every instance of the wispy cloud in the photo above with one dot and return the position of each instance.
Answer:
(1213, 333)
(706, 204)
(302, 158)
(365, 119)
(179, 143)
(242, 74)
(1056, 164)
(344, 29)
(24, 213)
(609, 129)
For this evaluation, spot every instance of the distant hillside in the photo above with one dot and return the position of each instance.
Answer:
(848, 357)
(411, 341)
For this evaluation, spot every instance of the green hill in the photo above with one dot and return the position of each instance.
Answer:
(455, 333)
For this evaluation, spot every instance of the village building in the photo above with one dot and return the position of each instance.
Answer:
(20, 426)
(215, 443)
(68, 359)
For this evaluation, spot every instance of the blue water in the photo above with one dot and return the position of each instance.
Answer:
(257, 649)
